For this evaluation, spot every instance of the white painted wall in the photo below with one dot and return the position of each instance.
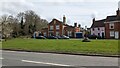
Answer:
(96, 31)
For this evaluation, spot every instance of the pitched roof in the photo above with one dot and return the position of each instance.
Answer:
(56, 21)
(98, 23)
(112, 18)
(61, 22)
(69, 28)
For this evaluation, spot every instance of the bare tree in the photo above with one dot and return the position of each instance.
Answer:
(6, 26)
(25, 23)
(33, 22)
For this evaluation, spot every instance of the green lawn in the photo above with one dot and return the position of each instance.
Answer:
(106, 47)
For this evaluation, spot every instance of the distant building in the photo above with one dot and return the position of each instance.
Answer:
(98, 28)
(45, 32)
(108, 28)
(112, 26)
(59, 28)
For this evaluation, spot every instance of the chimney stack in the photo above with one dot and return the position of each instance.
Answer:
(75, 24)
(79, 25)
(118, 12)
(93, 20)
(64, 19)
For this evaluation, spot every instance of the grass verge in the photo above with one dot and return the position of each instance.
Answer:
(104, 47)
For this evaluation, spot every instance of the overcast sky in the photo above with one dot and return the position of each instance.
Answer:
(80, 11)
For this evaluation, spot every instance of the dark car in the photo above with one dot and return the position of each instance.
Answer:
(52, 37)
(40, 37)
(59, 37)
(94, 37)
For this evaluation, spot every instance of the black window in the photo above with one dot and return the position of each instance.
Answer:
(93, 29)
(111, 26)
(98, 28)
(98, 34)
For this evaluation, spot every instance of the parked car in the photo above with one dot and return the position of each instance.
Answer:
(59, 37)
(63, 37)
(94, 37)
(52, 37)
(40, 37)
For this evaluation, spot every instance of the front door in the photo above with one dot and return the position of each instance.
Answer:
(116, 34)
(102, 34)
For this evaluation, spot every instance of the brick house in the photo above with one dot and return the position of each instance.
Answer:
(55, 28)
(98, 28)
(59, 28)
(71, 30)
(112, 26)
(45, 32)
(109, 27)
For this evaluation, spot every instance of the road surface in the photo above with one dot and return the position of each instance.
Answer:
(14, 58)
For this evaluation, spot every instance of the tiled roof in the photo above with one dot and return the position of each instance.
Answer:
(98, 23)
(112, 18)
(61, 22)
(56, 21)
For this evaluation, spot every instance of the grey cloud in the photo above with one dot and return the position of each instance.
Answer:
(15, 7)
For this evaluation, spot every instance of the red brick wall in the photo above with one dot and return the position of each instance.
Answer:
(76, 29)
(116, 28)
(44, 31)
(54, 27)
(107, 31)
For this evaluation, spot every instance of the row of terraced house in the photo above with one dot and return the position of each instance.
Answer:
(108, 28)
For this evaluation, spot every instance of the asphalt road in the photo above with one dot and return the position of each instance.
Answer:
(14, 58)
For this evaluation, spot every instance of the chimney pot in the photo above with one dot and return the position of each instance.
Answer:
(64, 19)
(79, 25)
(75, 24)
(118, 12)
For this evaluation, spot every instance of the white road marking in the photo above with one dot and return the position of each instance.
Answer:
(45, 63)
(10, 51)
(1, 58)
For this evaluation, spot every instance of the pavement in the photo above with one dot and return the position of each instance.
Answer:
(17, 58)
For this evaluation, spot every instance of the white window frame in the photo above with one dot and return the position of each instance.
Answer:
(51, 27)
(69, 33)
(112, 33)
(57, 27)
(45, 34)
(57, 33)
(111, 24)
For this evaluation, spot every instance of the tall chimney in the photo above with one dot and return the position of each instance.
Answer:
(75, 24)
(93, 20)
(64, 19)
(118, 12)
